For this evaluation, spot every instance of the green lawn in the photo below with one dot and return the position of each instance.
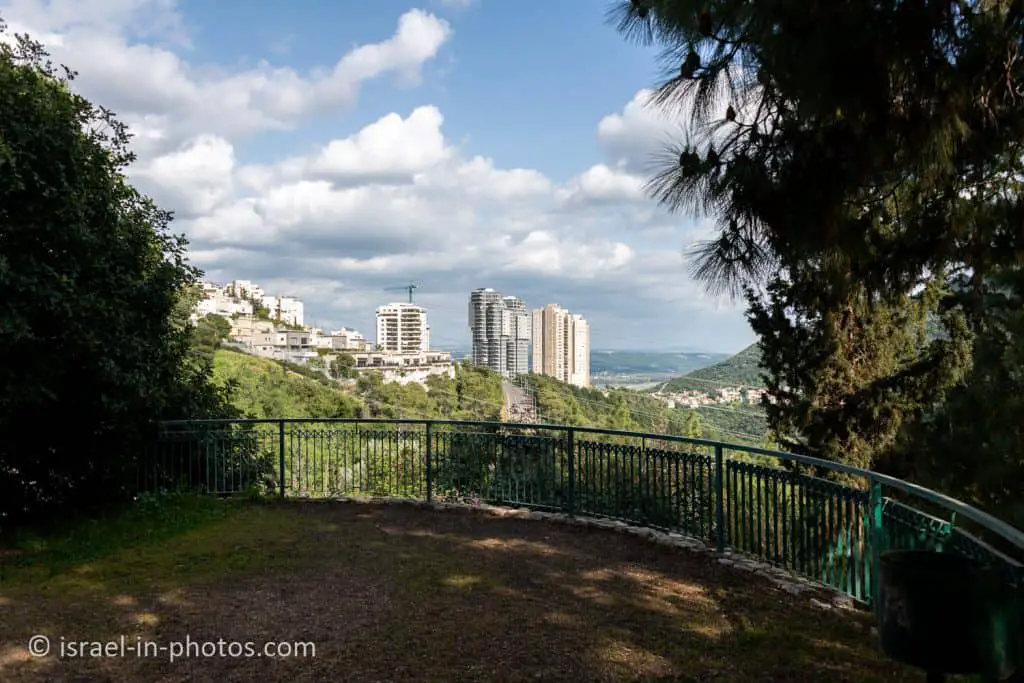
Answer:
(396, 593)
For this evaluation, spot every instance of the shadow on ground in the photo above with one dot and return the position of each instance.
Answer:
(396, 593)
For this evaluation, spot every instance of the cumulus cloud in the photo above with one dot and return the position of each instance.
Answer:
(195, 179)
(392, 201)
(604, 185)
(392, 145)
(633, 135)
(170, 100)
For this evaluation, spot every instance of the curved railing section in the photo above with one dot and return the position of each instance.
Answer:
(825, 521)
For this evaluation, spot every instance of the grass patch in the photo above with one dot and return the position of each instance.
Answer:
(159, 543)
(150, 520)
(405, 594)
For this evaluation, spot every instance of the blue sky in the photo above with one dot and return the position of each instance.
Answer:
(498, 144)
(522, 82)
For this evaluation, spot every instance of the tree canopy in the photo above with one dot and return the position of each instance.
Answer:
(863, 162)
(864, 137)
(94, 344)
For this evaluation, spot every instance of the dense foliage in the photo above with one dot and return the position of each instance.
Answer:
(91, 280)
(864, 164)
(263, 388)
(560, 403)
(973, 442)
(474, 394)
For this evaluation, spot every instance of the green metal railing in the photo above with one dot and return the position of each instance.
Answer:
(825, 521)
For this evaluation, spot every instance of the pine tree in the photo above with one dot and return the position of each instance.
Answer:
(853, 155)
(973, 442)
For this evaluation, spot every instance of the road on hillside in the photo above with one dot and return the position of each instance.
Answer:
(518, 404)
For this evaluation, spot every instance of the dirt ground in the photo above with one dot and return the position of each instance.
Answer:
(396, 593)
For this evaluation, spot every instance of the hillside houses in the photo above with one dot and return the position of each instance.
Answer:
(718, 396)
(277, 332)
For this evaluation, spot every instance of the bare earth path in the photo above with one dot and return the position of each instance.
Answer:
(518, 404)
(396, 593)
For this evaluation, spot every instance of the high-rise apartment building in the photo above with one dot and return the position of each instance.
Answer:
(402, 328)
(485, 326)
(561, 345)
(500, 327)
(516, 328)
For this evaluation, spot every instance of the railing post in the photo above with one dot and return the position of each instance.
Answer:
(719, 498)
(280, 458)
(429, 453)
(875, 502)
(570, 445)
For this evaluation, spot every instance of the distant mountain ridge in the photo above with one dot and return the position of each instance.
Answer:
(741, 370)
(649, 362)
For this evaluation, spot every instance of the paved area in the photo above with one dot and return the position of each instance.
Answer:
(519, 405)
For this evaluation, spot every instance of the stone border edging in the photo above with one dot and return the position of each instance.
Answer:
(782, 579)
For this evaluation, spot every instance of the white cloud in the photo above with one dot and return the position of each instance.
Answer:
(631, 137)
(174, 100)
(392, 145)
(603, 184)
(195, 178)
(393, 201)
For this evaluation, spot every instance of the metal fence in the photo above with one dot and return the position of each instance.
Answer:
(825, 521)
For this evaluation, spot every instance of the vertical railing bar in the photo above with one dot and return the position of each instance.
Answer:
(570, 439)
(719, 499)
(429, 458)
(280, 458)
(876, 527)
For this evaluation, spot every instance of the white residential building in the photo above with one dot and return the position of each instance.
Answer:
(501, 329)
(247, 326)
(244, 289)
(516, 330)
(262, 338)
(402, 328)
(220, 304)
(578, 342)
(485, 327)
(561, 345)
(730, 394)
(405, 368)
(287, 309)
(341, 340)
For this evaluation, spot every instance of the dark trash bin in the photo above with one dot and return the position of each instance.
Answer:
(946, 614)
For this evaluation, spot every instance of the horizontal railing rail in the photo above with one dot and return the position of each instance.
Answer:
(754, 501)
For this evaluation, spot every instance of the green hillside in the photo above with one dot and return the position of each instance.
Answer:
(742, 370)
(560, 403)
(266, 388)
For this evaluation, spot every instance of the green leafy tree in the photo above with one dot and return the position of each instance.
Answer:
(210, 332)
(342, 366)
(92, 283)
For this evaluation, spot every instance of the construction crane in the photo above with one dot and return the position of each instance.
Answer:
(405, 288)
